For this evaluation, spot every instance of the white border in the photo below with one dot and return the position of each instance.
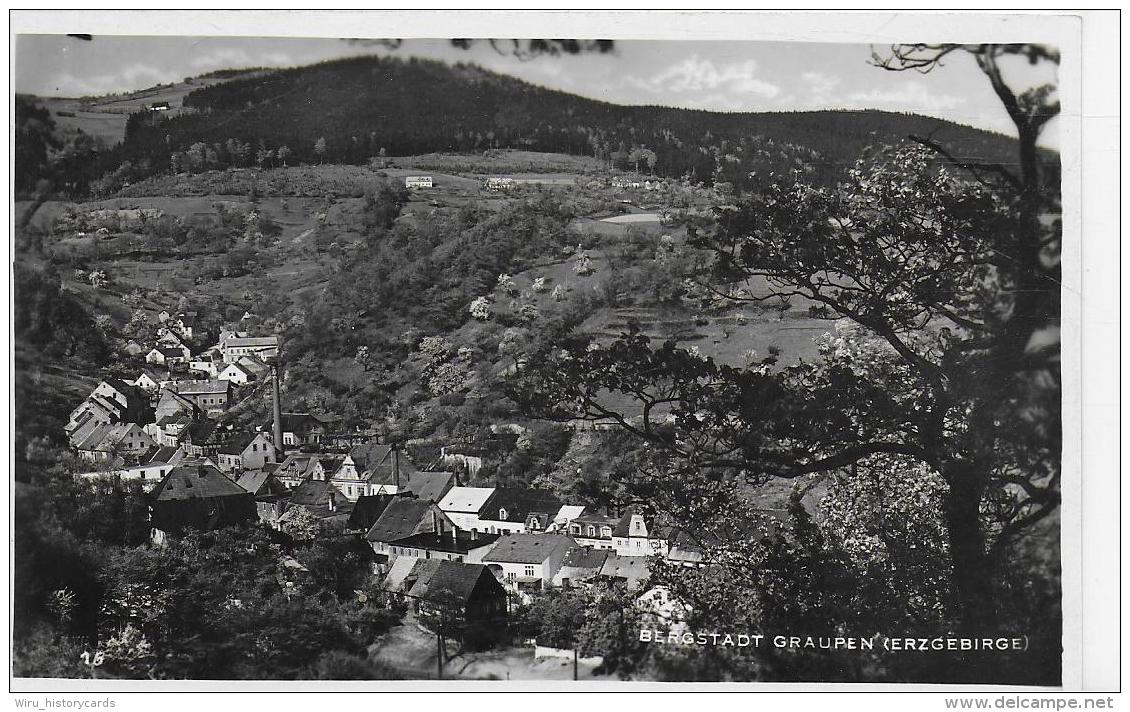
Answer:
(1084, 305)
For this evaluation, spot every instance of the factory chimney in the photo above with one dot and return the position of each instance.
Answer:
(276, 405)
(396, 465)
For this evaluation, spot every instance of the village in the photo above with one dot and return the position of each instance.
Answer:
(463, 555)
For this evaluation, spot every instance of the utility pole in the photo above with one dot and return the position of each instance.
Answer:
(574, 660)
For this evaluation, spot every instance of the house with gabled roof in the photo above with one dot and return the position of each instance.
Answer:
(633, 537)
(513, 509)
(263, 347)
(166, 356)
(149, 381)
(197, 496)
(298, 429)
(632, 571)
(403, 517)
(209, 394)
(201, 438)
(594, 530)
(245, 451)
(528, 561)
(465, 597)
(106, 441)
(463, 505)
(580, 565)
(297, 467)
(235, 374)
(430, 486)
(455, 545)
(366, 511)
(375, 468)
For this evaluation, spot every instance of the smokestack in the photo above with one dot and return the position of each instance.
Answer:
(396, 465)
(277, 408)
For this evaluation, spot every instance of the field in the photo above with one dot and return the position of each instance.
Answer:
(105, 116)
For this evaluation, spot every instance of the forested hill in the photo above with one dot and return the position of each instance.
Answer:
(361, 105)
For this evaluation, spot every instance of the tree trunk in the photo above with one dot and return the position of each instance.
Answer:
(972, 574)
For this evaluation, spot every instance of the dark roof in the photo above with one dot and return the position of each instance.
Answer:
(430, 486)
(582, 557)
(627, 568)
(461, 543)
(312, 493)
(160, 454)
(399, 520)
(375, 462)
(445, 582)
(367, 509)
(194, 482)
(528, 548)
(253, 480)
(126, 389)
(236, 444)
(596, 519)
(298, 423)
(200, 431)
(170, 352)
(518, 503)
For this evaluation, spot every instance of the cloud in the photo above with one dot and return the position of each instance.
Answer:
(912, 96)
(820, 85)
(134, 75)
(696, 75)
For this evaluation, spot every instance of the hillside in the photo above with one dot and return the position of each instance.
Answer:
(415, 107)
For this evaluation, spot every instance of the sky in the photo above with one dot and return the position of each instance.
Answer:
(715, 75)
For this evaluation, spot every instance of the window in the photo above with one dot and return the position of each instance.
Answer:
(529, 570)
(605, 531)
(511, 576)
(592, 530)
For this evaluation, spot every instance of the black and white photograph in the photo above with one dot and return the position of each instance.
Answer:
(437, 359)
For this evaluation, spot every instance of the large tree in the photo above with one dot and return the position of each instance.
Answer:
(943, 275)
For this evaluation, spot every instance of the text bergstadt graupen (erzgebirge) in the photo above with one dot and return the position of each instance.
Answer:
(878, 641)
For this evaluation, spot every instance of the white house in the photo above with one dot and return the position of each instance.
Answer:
(418, 182)
(249, 451)
(527, 560)
(463, 505)
(236, 374)
(263, 347)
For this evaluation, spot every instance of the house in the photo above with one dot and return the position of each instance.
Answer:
(210, 395)
(131, 402)
(235, 374)
(298, 429)
(430, 486)
(462, 505)
(104, 442)
(246, 451)
(528, 562)
(565, 517)
(159, 106)
(197, 496)
(229, 333)
(418, 182)
(594, 530)
(167, 337)
(632, 537)
(373, 468)
(456, 545)
(581, 564)
(208, 363)
(262, 347)
(166, 356)
(254, 365)
(201, 438)
(171, 403)
(299, 467)
(184, 323)
(464, 598)
(261, 483)
(149, 381)
(511, 509)
(163, 316)
(633, 571)
(403, 517)
(366, 511)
